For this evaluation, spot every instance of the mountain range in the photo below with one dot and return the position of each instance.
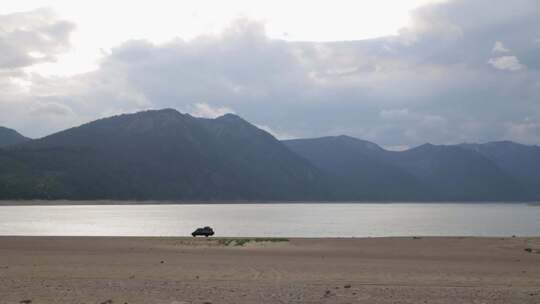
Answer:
(167, 155)
(10, 137)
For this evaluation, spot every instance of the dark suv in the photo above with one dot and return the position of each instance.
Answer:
(206, 231)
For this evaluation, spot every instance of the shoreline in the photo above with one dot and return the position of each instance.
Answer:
(254, 237)
(300, 270)
(10, 203)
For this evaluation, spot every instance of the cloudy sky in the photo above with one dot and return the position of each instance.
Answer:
(397, 74)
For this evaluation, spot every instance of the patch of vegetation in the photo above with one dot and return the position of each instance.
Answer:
(244, 241)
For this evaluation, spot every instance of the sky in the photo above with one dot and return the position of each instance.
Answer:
(398, 73)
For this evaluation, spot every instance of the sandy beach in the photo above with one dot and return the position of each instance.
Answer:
(184, 270)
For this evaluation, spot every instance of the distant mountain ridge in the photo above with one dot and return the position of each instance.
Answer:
(521, 162)
(167, 155)
(360, 165)
(10, 137)
(161, 155)
(479, 172)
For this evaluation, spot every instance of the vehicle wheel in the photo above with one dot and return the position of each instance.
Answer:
(206, 235)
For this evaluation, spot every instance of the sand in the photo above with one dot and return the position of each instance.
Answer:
(182, 270)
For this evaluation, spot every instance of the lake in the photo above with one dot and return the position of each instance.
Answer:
(275, 220)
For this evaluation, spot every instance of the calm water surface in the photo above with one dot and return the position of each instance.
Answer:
(287, 220)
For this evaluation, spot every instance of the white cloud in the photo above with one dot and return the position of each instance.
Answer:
(500, 48)
(525, 131)
(32, 37)
(51, 108)
(205, 110)
(393, 114)
(506, 63)
(27, 39)
(433, 121)
(397, 147)
(276, 134)
(429, 90)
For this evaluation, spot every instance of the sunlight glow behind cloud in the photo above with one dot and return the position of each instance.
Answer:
(443, 77)
(102, 25)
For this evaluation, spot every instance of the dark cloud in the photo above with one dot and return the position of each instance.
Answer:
(462, 71)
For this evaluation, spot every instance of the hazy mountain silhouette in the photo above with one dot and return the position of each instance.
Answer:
(521, 162)
(457, 174)
(10, 137)
(427, 172)
(362, 168)
(166, 155)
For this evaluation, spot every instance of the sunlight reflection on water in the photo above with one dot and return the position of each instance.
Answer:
(287, 220)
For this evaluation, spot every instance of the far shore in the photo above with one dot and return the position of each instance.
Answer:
(238, 202)
(444, 270)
